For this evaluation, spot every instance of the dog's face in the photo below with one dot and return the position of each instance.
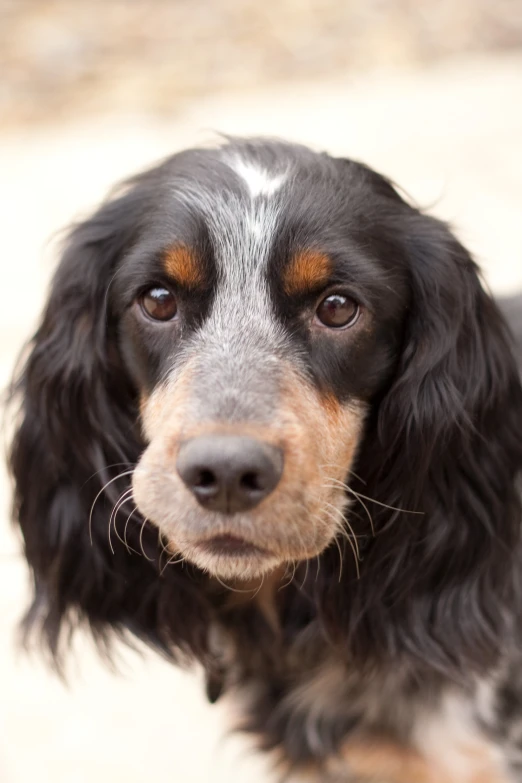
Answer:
(260, 313)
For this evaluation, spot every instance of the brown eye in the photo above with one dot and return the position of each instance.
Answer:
(159, 304)
(337, 311)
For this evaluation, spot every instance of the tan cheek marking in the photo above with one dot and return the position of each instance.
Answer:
(321, 440)
(329, 431)
(307, 270)
(166, 405)
(183, 265)
(343, 428)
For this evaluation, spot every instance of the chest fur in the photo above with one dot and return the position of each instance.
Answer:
(347, 726)
(396, 730)
(387, 724)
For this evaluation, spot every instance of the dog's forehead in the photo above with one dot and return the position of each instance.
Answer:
(248, 194)
(259, 179)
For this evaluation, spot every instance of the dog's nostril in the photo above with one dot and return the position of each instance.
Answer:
(229, 473)
(206, 479)
(250, 481)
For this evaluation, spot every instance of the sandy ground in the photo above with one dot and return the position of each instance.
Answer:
(451, 135)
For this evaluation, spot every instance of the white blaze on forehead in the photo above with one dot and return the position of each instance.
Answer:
(243, 227)
(259, 181)
(242, 223)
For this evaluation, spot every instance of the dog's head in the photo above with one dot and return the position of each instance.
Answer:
(258, 320)
(259, 337)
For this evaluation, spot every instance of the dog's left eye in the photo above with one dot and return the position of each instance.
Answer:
(159, 304)
(337, 311)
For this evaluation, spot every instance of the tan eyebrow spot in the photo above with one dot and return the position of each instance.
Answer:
(307, 270)
(183, 265)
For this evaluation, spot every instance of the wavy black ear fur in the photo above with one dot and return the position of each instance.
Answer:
(445, 440)
(78, 430)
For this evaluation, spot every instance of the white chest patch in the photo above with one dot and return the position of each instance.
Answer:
(453, 744)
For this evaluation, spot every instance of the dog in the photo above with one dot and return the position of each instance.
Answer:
(271, 421)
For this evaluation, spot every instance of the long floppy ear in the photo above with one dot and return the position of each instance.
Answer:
(446, 441)
(78, 430)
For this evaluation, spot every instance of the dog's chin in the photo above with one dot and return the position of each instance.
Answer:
(233, 565)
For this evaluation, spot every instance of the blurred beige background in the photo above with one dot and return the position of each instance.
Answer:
(92, 90)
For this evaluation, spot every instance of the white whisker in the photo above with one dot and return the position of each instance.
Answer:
(102, 490)
(356, 496)
(129, 548)
(344, 469)
(342, 521)
(373, 500)
(150, 559)
(124, 498)
(171, 561)
(293, 566)
(306, 574)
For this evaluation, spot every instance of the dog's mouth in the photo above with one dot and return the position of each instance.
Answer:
(232, 546)
(229, 555)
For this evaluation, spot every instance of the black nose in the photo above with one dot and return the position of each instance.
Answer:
(229, 473)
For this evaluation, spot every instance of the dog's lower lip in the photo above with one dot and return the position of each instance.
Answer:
(230, 545)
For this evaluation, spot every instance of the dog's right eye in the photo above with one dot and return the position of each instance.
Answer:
(337, 311)
(159, 304)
